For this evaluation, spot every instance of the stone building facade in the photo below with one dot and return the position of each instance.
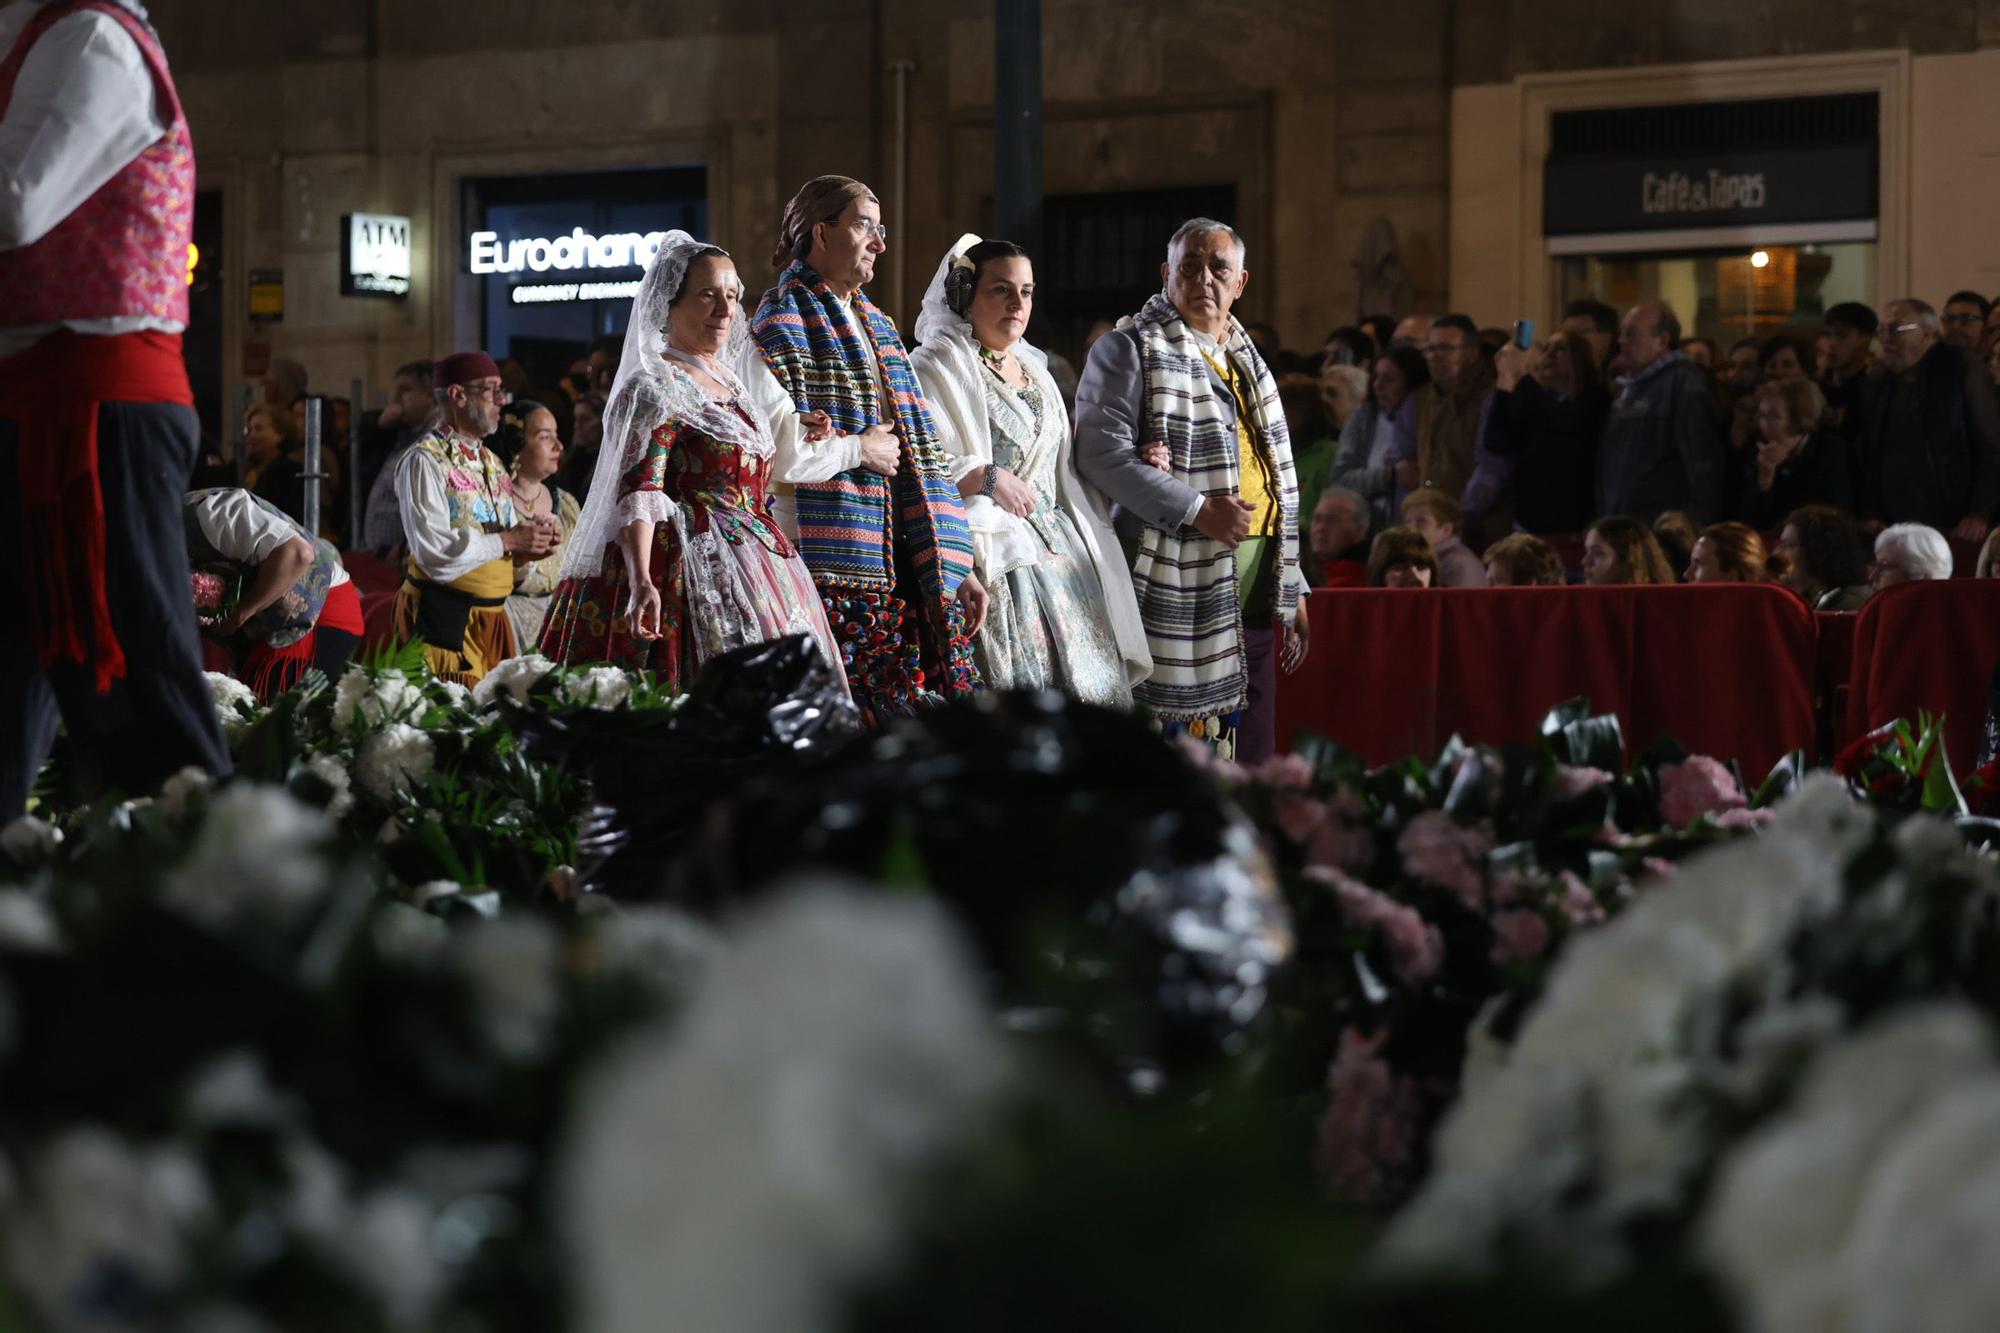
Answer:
(1322, 116)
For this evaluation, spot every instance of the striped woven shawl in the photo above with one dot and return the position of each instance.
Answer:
(1186, 583)
(845, 531)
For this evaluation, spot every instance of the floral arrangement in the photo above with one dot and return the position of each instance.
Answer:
(431, 772)
(1769, 1077)
(339, 1046)
(216, 590)
(1430, 901)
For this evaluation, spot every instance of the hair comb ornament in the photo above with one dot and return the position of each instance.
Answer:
(959, 281)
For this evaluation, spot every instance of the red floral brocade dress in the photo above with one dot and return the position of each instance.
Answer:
(727, 575)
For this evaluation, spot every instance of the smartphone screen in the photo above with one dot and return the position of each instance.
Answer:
(1524, 333)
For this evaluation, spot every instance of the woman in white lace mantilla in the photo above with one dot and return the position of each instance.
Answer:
(1063, 613)
(677, 557)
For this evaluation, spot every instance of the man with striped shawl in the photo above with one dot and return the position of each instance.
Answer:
(872, 505)
(1178, 422)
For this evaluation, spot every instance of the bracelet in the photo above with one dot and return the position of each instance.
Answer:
(992, 480)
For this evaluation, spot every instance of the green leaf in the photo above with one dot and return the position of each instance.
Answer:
(1783, 779)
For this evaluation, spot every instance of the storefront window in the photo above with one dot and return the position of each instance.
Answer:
(557, 257)
(1731, 294)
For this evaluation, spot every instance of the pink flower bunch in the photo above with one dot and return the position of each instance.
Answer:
(1203, 756)
(208, 590)
(1416, 949)
(1574, 782)
(1368, 1138)
(1577, 902)
(1518, 936)
(1437, 848)
(1742, 817)
(1334, 832)
(1696, 787)
(1284, 770)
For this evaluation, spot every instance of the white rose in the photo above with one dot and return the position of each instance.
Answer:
(604, 687)
(95, 1204)
(392, 760)
(329, 768)
(29, 839)
(27, 925)
(373, 701)
(834, 1046)
(256, 860)
(177, 793)
(514, 677)
(1799, 1224)
(510, 964)
(437, 888)
(236, 708)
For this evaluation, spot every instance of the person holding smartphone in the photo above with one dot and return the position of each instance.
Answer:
(1548, 411)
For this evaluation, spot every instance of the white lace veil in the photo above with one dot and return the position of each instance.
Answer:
(651, 387)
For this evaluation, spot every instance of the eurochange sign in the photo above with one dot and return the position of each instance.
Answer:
(577, 253)
(578, 250)
(1586, 194)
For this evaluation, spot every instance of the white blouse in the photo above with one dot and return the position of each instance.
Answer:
(234, 523)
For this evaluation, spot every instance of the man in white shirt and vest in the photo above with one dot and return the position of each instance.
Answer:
(97, 426)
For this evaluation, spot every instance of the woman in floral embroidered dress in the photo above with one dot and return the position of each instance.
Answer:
(1063, 614)
(677, 557)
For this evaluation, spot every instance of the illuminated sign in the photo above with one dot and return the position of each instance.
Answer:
(556, 293)
(374, 255)
(487, 253)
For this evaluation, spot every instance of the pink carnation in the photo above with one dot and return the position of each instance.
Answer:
(1297, 816)
(1343, 837)
(1416, 950)
(1700, 786)
(1519, 936)
(1578, 903)
(207, 589)
(1574, 782)
(1743, 817)
(1203, 756)
(1437, 848)
(1367, 1141)
(1283, 770)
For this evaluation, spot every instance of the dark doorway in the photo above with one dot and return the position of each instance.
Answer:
(201, 345)
(1102, 255)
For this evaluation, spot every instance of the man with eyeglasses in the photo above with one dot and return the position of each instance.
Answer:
(1964, 321)
(1178, 423)
(872, 504)
(1930, 440)
(464, 535)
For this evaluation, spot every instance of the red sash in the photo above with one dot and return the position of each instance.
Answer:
(53, 390)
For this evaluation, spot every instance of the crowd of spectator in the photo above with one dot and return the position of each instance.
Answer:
(273, 434)
(1434, 452)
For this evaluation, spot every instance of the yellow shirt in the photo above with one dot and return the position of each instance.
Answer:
(1254, 480)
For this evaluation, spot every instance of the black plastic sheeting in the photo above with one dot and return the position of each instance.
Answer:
(1115, 896)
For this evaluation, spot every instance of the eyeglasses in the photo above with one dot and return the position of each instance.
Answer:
(1964, 317)
(491, 392)
(1891, 330)
(872, 229)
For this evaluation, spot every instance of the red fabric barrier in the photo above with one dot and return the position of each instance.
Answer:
(377, 581)
(1927, 646)
(1836, 671)
(1727, 670)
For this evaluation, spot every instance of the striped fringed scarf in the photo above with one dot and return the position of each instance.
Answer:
(824, 364)
(1186, 583)
(845, 531)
